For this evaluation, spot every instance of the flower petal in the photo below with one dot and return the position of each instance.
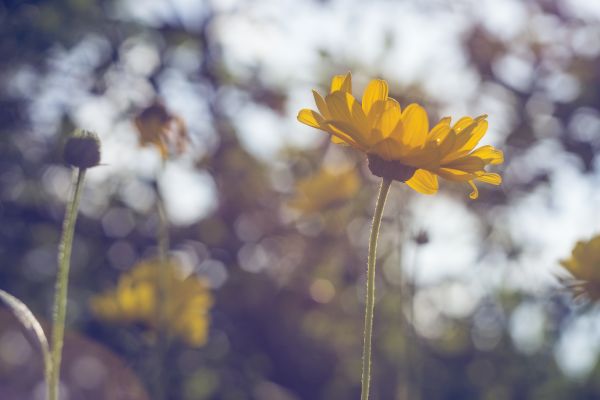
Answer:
(455, 175)
(491, 178)
(346, 133)
(311, 118)
(376, 90)
(388, 119)
(462, 124)
(387, 148)
(489, 154)
(475, 193)
(467, 164)
(341, 83)
(476, 134)
(440, 130)
(424, 182)
(416, 126)
(321, 105)
(338, 106)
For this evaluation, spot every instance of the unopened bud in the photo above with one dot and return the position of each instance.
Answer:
(82, 150)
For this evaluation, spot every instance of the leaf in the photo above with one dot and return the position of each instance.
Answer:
(31, 325)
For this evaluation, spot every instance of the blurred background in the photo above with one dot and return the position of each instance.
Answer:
(273, 220)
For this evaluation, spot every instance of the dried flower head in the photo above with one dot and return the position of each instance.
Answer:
(584, 267)
(157, 127)
(187, 301)
(82, 150)
(399, 143)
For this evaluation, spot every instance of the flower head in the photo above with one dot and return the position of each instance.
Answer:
(314, 193)
(82, 150)
(156, 126)
(136, 300)
(399, 143)
(584, 267)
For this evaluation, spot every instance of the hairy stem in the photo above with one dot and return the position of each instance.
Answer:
(370, 296)
(62, 282)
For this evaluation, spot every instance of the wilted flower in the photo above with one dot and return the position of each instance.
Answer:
(314, 193)
(399, 143)
(187, 301)
(584, 266)
(156, 126)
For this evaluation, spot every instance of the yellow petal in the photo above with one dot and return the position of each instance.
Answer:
(467, 164)
(388, 119)
(342, 83)
(462, 136)
(321, 105)
(311, 118)
(491, 178)
(446, 144)
(416, 126)
(388, 148)
(476, 134)
(440, 130)
(475, 193)
(427, 158)
(489, 154)
(338, 106)
(343, 107)
(375, 112)
(376, 90)
(346, 133)
(455, 175)
(462, 124)
(424, 182)
(337, 140)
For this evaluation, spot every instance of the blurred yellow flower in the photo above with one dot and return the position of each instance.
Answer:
(398, 142)
(136, 300)
(314, 193)
(157, 127)
(584, 266)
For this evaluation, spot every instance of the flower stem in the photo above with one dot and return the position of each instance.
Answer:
(62, 281)
(163, 300)
(370, 296)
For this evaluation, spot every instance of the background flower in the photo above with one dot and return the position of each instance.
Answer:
(136, 299)
(584, 267)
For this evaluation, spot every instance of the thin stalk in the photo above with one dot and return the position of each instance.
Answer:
(163, 299)
(62, 283)
(414, 348)
(370, 296)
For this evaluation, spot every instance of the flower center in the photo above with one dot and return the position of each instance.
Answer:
(394, 170)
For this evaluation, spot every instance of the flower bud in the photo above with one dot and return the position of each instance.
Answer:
(82, 150)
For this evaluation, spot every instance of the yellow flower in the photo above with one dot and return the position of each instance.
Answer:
(314, 193)
(157, 127)
(136, 300)
(584, 266)
(398, 142)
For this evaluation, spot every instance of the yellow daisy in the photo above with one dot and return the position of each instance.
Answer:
(136, 300)
(399, 143)
(584, 266)
(314, 194)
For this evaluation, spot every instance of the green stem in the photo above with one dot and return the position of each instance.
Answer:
(370, 297)
(62, 281)
(163, 299)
